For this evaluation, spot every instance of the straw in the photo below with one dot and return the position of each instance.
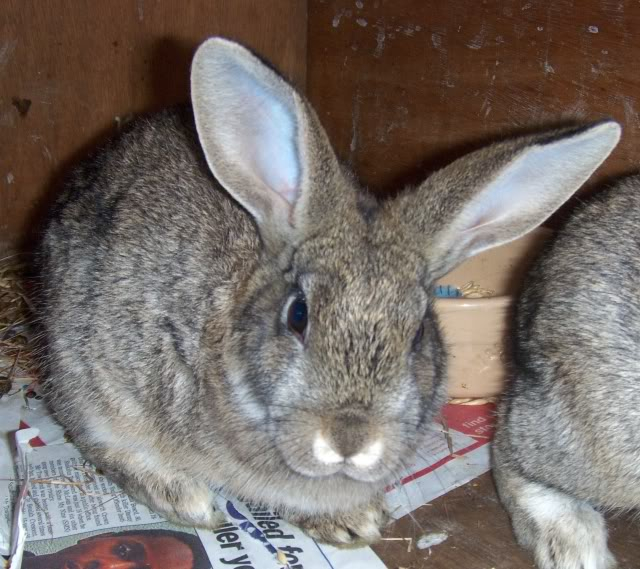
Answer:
(17, 358)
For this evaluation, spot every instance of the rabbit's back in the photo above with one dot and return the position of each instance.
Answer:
(140, 249)
(580, 302)
(577, 372)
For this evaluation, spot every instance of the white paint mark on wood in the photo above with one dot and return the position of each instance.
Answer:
(355, 119)
(448, 81)
(478, 41)
(38, 139)
(630, 113)
(399, 120)
(47, 154)
(579, 108)
(362, 22)
(436, 40)
(359, 5)
(10, 178)
(6, 51)
(380, 37)
(593, 29)
(336, 19)
(487, 106)
(8, 118)
(410, 30)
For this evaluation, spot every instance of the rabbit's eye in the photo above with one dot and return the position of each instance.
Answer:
(418, 337)
(297, 317)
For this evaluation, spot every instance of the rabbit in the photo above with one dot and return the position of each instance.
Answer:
(224, 307)
(568, 439)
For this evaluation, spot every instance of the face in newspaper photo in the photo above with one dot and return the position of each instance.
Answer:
(136, 549)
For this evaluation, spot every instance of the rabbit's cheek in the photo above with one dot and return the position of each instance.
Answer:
(246, 401)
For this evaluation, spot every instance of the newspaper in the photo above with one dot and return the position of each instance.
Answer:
(57, 509)
(454, 452)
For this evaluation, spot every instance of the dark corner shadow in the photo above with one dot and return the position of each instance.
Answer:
(170, 64)
(169, 61)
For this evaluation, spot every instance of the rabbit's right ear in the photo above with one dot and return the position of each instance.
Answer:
(257, 135)
(499, 193)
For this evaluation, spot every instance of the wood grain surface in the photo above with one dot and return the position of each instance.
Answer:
(71, 71)
(404, 86)
(480, 535)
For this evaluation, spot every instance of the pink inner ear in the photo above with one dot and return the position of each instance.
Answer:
(289, 194)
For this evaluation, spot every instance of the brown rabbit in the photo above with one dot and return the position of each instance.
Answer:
(224, 307)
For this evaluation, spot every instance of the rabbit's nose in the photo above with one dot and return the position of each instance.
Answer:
(349, 441)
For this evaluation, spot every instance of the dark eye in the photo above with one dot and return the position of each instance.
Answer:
(297, 316)
(418, 337)
(123, 551)
(130, 551)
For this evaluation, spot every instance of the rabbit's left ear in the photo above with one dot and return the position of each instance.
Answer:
(499, 193)
(258, 135)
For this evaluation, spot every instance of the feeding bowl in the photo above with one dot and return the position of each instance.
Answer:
(475, 329)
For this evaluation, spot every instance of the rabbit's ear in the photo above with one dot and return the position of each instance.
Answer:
(499, 193)
(254, 131)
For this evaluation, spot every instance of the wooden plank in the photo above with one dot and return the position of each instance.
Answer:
(405, 86)
(69, 71)
(480, 534)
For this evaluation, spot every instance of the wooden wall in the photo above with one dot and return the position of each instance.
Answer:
(403, 86)
(69, 71)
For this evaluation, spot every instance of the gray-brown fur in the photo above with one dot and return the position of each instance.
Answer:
(570, 422)
(169, 357)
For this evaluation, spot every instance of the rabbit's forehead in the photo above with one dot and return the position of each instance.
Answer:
(378, 278)
(365, 290)
(357, 258)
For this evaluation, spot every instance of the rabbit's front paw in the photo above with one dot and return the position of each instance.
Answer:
(562, 532)
(194, 506)
(355, 528)
(179, 500)
(577, 541)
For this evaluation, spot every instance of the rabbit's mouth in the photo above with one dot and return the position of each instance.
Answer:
(324, 460)
(353, 442)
